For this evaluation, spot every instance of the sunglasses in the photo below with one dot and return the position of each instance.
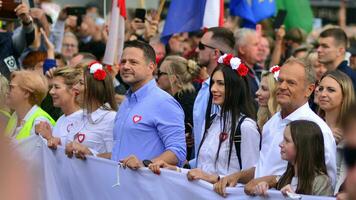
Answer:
(350, 156)
(160, 73)
(202, 46)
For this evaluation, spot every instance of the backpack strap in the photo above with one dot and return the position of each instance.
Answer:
(237, 140)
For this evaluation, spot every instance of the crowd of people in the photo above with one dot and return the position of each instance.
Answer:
(225, 105)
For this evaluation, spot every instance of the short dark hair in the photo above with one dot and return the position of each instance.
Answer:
(338, 34)
(148, 51)
(224, 36)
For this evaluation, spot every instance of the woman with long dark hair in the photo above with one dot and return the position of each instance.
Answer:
(231, 139)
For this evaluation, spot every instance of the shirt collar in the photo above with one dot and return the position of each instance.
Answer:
(297, 113)
(142, 92)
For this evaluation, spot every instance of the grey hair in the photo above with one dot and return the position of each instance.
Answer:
(308, 68)
(72, 35)
(241, 36)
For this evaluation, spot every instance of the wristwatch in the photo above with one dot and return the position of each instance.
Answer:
(146, 162)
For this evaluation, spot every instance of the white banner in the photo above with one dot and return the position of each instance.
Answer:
(62, 178)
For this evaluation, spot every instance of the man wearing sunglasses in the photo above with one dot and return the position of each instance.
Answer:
(349, 126)
(215, 42)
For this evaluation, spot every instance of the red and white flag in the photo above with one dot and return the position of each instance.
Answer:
(116, 38)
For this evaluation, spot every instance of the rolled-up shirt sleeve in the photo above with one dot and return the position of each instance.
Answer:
(171, 130)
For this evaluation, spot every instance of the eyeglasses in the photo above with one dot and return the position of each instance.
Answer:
(69, 45)
(202, 46)
(160, 73)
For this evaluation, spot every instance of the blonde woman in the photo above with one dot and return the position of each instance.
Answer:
(27, 91)
(175, 76)
(4, 110)
(336, 95)
(63, 97)
(266, 98)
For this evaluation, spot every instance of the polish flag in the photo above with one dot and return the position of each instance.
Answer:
(116, 38)
(192, 15)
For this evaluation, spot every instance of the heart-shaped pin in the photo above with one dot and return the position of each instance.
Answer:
(223, 136)
(80, 137)
(136, 118)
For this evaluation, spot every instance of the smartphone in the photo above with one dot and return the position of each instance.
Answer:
(76, 11)
(279, 20)
(140, 13)
(7, 10)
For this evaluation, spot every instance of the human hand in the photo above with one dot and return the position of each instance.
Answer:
(342, 196)
(196, 174)
(80, 150)
(49, 45)
(44, 129)
(69, 149)
(151, 28)
(49, 73)
(138, 26)
(338, 135)
(156, 165)
(261, 189)
(251, 186)
(132, 162)
(53, 142)
(23, 12)
(287, 188)
(227, 181)
(281, 32)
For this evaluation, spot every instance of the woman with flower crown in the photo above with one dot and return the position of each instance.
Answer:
(231, 139)
(93, 134)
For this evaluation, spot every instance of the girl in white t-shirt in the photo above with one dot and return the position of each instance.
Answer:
(95, 92)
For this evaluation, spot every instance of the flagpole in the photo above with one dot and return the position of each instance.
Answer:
(160, 8)
(104, 10)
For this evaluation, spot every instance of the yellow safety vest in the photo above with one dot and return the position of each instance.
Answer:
(25, 132)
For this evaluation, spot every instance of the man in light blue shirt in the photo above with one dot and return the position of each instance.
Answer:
(212, 45)
(149, 125)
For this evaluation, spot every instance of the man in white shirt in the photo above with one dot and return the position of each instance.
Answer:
(295, 84)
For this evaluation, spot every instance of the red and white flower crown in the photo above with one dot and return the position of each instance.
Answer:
(97, 70)
(275, 71)
(235, 63)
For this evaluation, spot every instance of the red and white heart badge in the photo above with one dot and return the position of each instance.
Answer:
(80, 137)
(136, 119)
